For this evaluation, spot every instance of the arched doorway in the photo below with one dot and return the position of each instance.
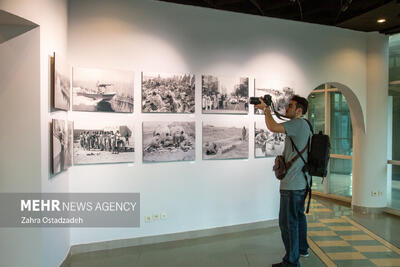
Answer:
(329, 112)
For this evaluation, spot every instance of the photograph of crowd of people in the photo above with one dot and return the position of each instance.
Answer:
(168, 93)
(267, 143)
(100, 142)
(224, 94)
(168, 141)
(280, 93)
(62, 83)
(102, 90)
(225, 140)
(61, 145)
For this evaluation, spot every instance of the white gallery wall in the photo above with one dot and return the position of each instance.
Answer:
(20, 156)
(152, 36)
(29, 109)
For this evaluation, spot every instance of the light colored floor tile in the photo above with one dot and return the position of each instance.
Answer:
(329, 220)
(321, 233)
(356, 237)
(346, 256)
(386, 262)
(321, 210)
(381, 255)
(354, 263)
(343, 233)
(364, 243)
(316, 225)
(338, 249)
(344, 228)
(372, 248)
(315, 204)
(332, 243)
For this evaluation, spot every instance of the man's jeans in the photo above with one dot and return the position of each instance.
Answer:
(293, 225)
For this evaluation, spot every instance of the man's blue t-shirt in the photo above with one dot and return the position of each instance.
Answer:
(299, 130)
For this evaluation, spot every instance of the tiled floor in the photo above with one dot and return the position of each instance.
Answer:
(336, 235)
(341, 236)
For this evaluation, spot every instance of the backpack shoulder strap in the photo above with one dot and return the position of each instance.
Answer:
(309, 124)
(299, 154)
(308, 186)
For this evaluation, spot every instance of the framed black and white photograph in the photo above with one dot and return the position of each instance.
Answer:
(169, 141)
(280, 92)
(100, 90)
(224, 94)
(61, 145)
(225, 140)
(99, 141)
(267, 143)
(168, 93)
(70, 145)
(62, 83)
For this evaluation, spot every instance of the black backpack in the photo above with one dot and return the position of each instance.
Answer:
(318, 158)
(318, 154)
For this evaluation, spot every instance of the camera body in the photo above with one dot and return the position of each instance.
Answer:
(266, 98)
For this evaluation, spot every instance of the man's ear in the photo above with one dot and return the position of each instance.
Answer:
(299, 112)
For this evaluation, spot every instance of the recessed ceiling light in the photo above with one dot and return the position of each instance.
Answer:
(381, 20)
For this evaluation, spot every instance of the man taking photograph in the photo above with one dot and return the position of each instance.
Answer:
(293, 187)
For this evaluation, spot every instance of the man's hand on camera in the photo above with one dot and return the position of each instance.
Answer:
(262, 105)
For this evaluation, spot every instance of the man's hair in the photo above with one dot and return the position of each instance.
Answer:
(301, 102)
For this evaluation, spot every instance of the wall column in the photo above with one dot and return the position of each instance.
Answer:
(370, 147)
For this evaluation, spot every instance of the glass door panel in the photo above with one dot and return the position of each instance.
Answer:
(340, 177)
(316, 113)
(341, 131)
(395, 201)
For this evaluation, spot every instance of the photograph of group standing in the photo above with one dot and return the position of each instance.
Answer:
(101, 90)
(168, 93)
(225, 140)
(280, 92)
(225, 94)
(267, 143)
(168, 141)
(103, 142)
(61, 145)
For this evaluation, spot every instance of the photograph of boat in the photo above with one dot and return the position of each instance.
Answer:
(102, 90)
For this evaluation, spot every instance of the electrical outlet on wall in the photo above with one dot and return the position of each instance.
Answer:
(156, 216)
(164, 216)
(147, 219)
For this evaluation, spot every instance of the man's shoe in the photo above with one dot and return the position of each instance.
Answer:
(305, 255)
(277, 264)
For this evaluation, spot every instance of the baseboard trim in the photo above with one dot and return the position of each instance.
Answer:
(334, 197)
(131, 242)
(392, 211)
(368, 210)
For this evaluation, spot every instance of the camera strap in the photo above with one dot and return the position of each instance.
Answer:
(278, 115)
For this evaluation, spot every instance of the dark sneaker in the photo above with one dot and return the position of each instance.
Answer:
(305, 255)
(277, 264)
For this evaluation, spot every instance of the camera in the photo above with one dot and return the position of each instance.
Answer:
(266, 98)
